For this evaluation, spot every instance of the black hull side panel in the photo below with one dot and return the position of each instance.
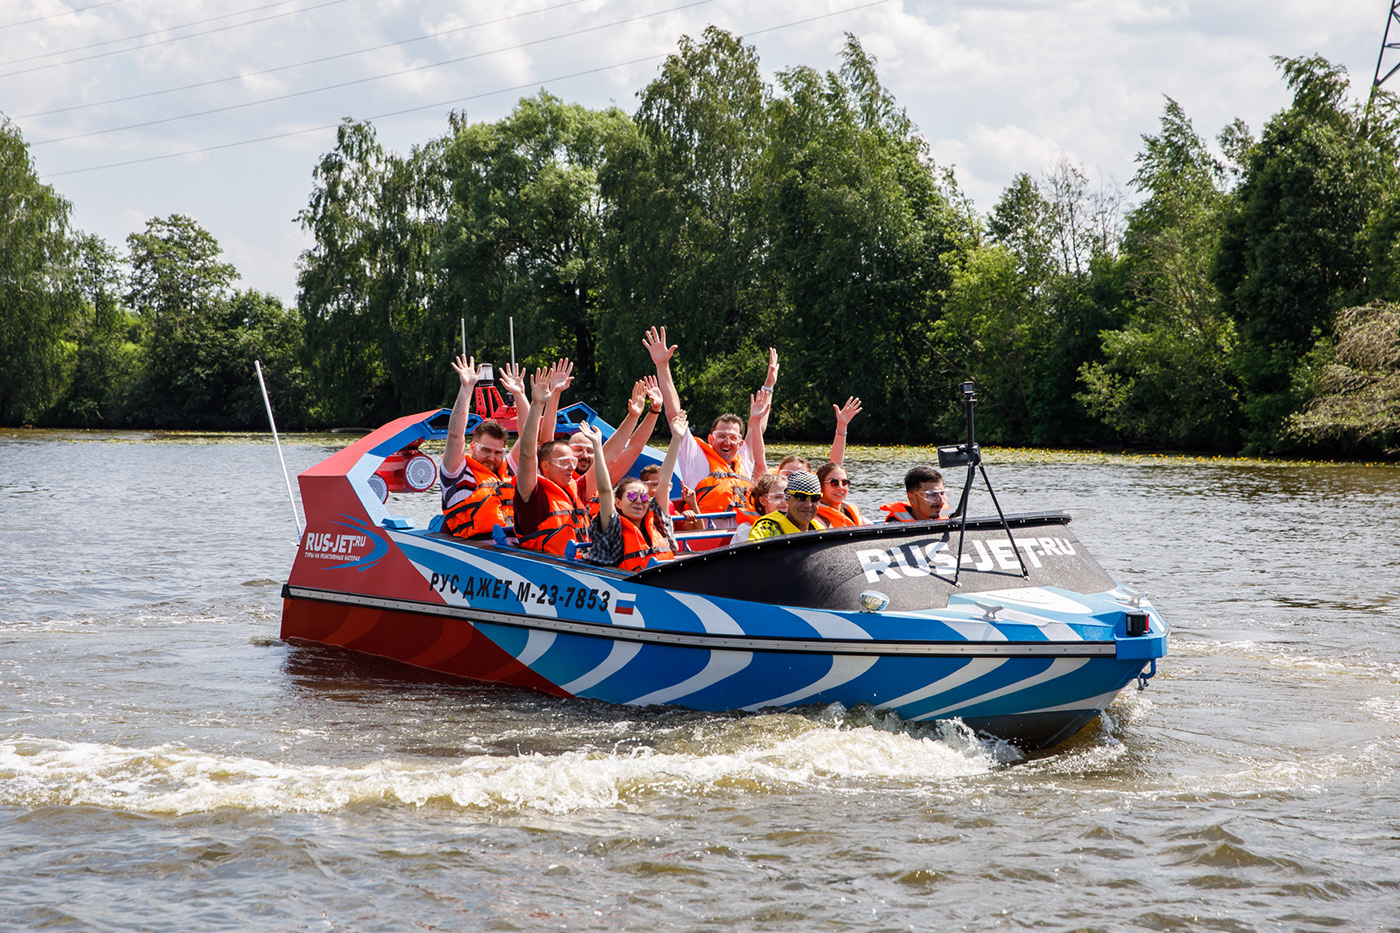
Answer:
(912, 563)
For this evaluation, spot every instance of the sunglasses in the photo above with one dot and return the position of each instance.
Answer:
(633, 495)
(839, 482)
(806, 496)
(933, 495)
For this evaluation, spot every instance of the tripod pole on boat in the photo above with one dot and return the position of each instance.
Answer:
(257, 364)
(970, 454)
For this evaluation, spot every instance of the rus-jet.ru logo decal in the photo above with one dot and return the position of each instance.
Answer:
(348, 548)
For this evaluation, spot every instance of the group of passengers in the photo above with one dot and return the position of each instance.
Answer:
(562, 499)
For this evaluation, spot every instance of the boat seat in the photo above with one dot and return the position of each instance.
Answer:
(436, 523)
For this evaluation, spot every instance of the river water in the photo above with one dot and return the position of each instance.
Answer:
(167, 763)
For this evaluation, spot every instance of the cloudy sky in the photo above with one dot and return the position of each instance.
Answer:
(136, 109)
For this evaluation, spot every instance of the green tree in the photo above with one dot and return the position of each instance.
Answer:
(523, 236)
(1292, 251)
(861, 235)
(1165, 378)
(1355, 402)
(179, 286)
(683, 233)
(375, 344)
(39, 298)
(1024, 312)
(103, 380)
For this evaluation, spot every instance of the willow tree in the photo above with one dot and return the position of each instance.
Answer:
(375, 345)
(39, 299)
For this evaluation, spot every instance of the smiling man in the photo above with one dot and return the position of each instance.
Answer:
(804, 494)
(477, 482)
(924, 495)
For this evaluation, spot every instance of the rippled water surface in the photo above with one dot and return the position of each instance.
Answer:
(167, 763)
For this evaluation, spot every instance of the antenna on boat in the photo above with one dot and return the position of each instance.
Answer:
(257, 364)
(512, 343)
(464, 336)
(970, 455)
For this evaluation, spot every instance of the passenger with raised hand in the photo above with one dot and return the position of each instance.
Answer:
(633, 527)
(925, 497)
(477, 484)
(803, 494)
(719, 468)
(549, 513)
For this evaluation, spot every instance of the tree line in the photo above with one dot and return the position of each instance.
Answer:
(1247, 301)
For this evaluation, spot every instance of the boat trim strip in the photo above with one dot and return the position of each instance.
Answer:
(830, 646)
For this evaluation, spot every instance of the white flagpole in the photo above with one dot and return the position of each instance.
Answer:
(257, 364)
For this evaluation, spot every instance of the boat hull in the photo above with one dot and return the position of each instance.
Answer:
(1024, 638)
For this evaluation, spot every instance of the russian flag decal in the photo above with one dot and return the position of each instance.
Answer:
(625, 605)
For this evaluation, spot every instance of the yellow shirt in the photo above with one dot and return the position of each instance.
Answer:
(776, 523)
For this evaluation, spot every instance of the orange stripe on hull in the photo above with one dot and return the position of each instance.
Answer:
(449, 646)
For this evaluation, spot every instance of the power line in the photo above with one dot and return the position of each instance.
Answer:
(449, 103)
(313, 61)
(151, 45)
(43, 19)
(368, 80)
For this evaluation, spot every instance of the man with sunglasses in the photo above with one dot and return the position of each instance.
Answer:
(804, 494)
(925, 498)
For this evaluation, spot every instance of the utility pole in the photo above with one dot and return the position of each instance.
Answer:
(1389, 45)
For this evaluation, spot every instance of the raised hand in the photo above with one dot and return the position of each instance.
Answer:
(688, 497)
(679, 424)
(655, 344)
(653, 391)
(465, 367)
(513, 379)
(759, 403)
(561, 376)
(848, 411)
(637, 403)
(539, 387)
(594, 435)
(772, 378)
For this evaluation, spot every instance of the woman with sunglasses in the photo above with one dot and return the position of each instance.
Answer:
(834, 509)
(632, 528)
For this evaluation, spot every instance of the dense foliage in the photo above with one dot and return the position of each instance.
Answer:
(1245, 300)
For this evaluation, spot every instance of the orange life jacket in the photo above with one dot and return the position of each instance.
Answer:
(641, 543)
(899, 512)
(725, 487)
(847, 516)
(567, 519)
(488, 505)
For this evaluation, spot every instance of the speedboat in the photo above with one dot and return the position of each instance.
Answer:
(1003, 622)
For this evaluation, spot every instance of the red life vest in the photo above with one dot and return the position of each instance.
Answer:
(641, 544)
(847, 516)
(724, 488)
(487, 506)
(566, 521)
(899, 512)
